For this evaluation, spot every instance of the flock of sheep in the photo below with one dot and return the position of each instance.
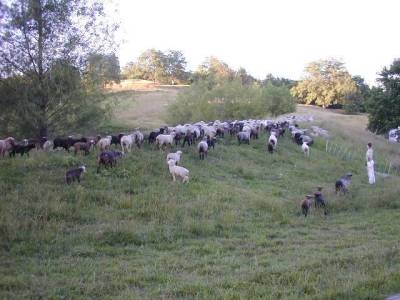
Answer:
(202, 133)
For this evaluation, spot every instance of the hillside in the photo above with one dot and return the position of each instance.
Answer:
(235, 231)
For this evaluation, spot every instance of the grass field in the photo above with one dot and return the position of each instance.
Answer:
(234, 232)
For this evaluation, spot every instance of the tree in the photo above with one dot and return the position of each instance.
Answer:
(153, 64)
(278, 81)
(103, 68)
(327, 82)
(176, 66)
(355, 101)
(216, 69)
(244, 77)
(39, 40)
(383, 104)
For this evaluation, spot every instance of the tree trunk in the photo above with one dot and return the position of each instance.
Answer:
(43, 128)
(43, 131)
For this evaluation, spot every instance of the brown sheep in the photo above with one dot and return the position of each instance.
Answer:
(306, 205)
(80, 146)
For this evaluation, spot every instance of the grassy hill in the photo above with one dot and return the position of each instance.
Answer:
(235, 231)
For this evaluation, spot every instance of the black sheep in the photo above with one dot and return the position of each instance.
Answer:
(74, 174)
(189, 139)
(211, 141)
(108, 158)
(21, 149)
(116, 139)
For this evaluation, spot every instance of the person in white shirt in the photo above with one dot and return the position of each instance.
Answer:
(370, 152)
(371, 171)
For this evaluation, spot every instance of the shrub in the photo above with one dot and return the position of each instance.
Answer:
(230, 99)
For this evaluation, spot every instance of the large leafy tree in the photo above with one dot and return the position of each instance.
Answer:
(176, 66)
(326, 82)
(383, 104)
(214, 69)
(44, 49)
(355, 100)
(103, 68)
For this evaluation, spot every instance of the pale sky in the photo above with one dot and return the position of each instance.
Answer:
(272, 36)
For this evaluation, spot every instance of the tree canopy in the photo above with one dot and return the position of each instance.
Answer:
(45, 46)
(102, 69)
(383, 104)
(326, 82)
(157, 66)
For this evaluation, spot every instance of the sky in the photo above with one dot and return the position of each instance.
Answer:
(270, 36)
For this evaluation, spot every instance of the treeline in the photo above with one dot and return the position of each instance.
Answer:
(219, 92)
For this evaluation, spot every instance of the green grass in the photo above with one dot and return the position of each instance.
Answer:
(235, 231)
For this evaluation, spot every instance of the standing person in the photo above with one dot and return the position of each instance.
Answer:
(371, 171)
(370, 152)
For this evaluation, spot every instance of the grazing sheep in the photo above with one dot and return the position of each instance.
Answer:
(178, 138)
(306, 149)
(104, 143)
(178, 171)
(138, 138)
(342, 184)
(243, 137)
(189, 138)
(211, 142)
(271, 146)
(47, 146)
(108, 159)
(319, 200)
(6, 145)
(85, 147)
(163, 140)
(203, 149)
(273, 139)
(127, 142)
(116, 139)
(74, 174)
(306, 205)
(174, 156)
(21, 149)
(66, 143)
(254, 133)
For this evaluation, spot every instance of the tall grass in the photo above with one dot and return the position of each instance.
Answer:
(235, 231)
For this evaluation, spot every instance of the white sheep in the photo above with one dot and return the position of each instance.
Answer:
(104, 143)
(127, 142)
(203, 149)
(6, 145)
(306, 149)
(178, 171)
(138, 138)
(174, 156)
(273, 140)
(165, 139)
(48, 145)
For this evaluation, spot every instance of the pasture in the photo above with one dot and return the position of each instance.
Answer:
(234, 232)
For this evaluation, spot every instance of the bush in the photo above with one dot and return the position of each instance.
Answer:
(229, 99)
